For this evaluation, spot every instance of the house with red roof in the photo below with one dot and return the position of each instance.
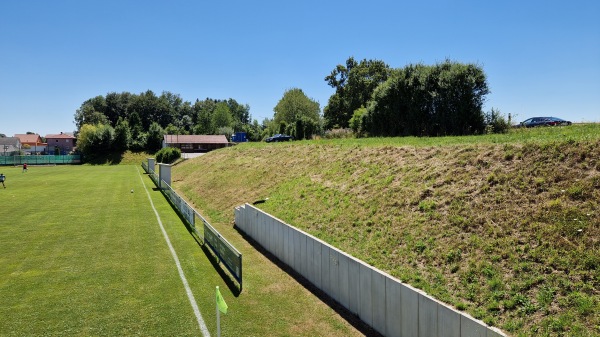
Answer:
(195, 143)
(32, 143)
(64, 142)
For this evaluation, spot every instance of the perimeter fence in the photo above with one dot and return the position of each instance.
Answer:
(40, 159)
(225, 251)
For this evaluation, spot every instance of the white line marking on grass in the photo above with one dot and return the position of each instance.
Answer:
(188, 291)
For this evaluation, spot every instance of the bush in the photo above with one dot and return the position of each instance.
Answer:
(168, 155)
(338, 134)
(496, 122)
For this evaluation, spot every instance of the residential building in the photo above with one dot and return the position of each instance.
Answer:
(65, 143)
(32, 143)
(10, 146)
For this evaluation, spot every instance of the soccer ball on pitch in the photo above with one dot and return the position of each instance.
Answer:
(132, 190)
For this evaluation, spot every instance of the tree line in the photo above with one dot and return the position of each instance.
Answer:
(121, 121)
(370, 97)
(417, 100)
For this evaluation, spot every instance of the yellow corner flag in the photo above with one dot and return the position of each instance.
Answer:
(221, 302)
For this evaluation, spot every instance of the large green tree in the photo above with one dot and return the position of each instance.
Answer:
(295, 105)
(95, 140)
(354, 84)
(421, 100)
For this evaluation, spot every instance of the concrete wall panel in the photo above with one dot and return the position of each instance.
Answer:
(448, 322)
(428, 317)
(353, 286)
(325, 271)
(409, 304)
(253, 226)
(262, 229)
(393, 311)
(317, 263)
(378, 300)
(278, 238)
(334, 274)
(271, 233)
(494, 332)
(366, 302)
(343, 280)
(310, 262)
(299, 261)
(285, 252)
(303, 253)
(469, 327)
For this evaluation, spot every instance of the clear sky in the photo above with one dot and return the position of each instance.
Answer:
(540, 57)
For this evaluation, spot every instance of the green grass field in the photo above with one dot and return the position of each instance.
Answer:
(80, 255)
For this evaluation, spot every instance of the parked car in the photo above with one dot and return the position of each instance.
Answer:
(544, 121)
(558, 121)
(279, 138)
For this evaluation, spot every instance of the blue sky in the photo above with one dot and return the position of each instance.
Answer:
(540, 57)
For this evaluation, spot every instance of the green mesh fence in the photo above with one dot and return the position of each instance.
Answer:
(40, 160)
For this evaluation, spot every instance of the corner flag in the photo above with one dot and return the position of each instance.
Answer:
(221, 302)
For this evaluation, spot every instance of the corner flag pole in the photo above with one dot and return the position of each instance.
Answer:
(218, 319)
(221, 306)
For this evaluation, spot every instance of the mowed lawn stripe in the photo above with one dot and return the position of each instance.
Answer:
(81, 255)
(184, 280)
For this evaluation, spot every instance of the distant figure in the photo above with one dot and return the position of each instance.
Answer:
(25, 167)
(2, 178)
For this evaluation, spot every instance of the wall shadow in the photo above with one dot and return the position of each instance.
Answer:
(351, 318)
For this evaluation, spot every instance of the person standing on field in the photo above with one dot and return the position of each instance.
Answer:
(2, 178)
(24, 167)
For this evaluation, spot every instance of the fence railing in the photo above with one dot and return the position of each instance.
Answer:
(40, 159)
(225, 251)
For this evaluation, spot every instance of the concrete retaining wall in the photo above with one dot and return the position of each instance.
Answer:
(381, 301)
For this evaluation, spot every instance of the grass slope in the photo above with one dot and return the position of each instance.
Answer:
(505, 227)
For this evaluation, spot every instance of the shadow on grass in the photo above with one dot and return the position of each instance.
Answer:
(351, 318)
(214, 260)
(108, 159)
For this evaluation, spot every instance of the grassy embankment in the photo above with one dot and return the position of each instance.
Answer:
(505, 227)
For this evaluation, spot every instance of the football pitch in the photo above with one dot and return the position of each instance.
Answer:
(81, 254)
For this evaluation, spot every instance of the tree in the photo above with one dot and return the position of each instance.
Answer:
(294, 106)
(122, 136)
(155, 138)
(354, 84)
(240, 113)
(203, 116)
(95, 140)
(420, 100)
(221, 117)
(87, 114)
(356, 122)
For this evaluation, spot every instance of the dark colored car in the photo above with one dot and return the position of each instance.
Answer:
(558, 121)
(544, 121)
(279, 138)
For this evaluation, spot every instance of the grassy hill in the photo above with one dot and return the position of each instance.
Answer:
(505, 227)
